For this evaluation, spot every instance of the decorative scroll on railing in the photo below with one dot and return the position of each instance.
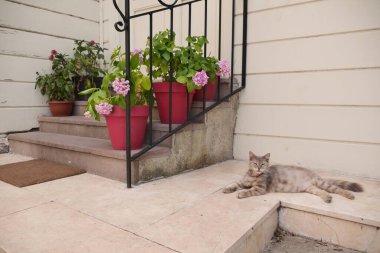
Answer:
(124, 26)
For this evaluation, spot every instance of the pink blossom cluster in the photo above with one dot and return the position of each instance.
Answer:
(139, 52)
(200, 78)
(104, 108)
(121, 86)
(224, 68)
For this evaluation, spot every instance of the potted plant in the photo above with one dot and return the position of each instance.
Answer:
(216, 69)
(87, 66)
(57, 85)
(110, 101)
(191, 71)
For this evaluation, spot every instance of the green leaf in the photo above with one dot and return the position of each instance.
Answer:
(88, 91)
(146, 83)
(182, 79)
(166, 56)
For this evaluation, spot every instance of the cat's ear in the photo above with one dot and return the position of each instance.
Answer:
(267, 156)
(251, 155)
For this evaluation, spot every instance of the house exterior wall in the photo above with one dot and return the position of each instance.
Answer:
(29, 29)
(313, 85)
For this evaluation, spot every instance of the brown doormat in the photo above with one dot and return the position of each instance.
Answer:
(34, 172)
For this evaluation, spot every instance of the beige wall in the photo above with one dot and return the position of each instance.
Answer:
(313, 85)
(29, 29)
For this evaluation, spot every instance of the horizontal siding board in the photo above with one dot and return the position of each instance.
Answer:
(87, 9)
(330, 123)
(13, 42)
(13, 94)
(348, 87)
(343, 51)
(311, 19)
(21, 119)
(21, 69)
(347, 158)
(21, 17)
(260, 5)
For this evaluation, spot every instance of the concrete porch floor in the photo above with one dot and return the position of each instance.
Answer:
(183, 213)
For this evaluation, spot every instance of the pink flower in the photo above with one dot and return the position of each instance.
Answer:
(53, 52)
(91, 43)
(136, 51)
(200, 78)
(224, 68)
(87, 114)
(139, 52)
(121, 86)
(51, 57)
(104, 108)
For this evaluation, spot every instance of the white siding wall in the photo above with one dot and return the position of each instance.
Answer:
(313, 85)
(29, 30)
(161, 21)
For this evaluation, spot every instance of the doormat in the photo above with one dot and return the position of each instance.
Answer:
(27, 173)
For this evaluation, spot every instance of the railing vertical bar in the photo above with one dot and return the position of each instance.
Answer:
(244, 48)
(219, 47)
(205, 55)
(171, 73)
(128, 97)
(151, 79)
(232, 47)
(188, 95)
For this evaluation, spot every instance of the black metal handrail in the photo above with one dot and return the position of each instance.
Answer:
(124, 26)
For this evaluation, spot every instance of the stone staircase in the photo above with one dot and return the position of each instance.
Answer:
(84, 143)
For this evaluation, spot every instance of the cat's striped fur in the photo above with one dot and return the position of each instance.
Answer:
(262, 178)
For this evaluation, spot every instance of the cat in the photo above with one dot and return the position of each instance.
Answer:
(262, 178)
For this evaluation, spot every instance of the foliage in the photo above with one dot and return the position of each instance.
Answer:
(186, 60)
(192, 61)
(87, 63)
(138, 86)
(162, 47)
(56, 85)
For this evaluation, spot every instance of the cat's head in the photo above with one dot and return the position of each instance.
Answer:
(258, 164)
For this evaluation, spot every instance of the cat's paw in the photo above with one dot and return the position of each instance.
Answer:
(227, 190)
(327, 198)
(350, 196)
(243, 194)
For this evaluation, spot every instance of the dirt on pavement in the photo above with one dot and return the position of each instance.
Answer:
(285, 242)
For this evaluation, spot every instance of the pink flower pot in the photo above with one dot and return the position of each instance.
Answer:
(179, 98)
(211, 89)
(116, 124)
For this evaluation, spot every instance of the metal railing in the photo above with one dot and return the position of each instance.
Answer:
(124, 26)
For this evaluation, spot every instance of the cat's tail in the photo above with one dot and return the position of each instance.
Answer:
(351, 186)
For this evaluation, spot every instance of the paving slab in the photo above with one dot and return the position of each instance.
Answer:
(13, 158)
(53, 227)
(14, 199)
(140, 206)
(183, 213)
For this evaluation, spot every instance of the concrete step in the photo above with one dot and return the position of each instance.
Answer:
(195, 146)
(84, 127)
(94, 155)
(197, 107)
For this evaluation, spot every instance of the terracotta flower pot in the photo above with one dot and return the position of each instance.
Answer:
(61, 108)
(179, 98)
(116, 124)
(211, 89)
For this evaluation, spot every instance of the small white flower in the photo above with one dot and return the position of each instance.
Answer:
(87, 114)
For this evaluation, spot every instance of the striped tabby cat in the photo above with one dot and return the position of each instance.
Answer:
(262, 178)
